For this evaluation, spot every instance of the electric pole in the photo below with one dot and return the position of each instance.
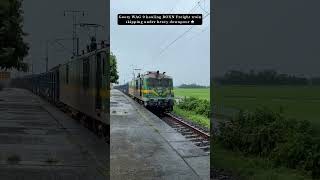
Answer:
(75, 44)
(47, 55)
(135, 70)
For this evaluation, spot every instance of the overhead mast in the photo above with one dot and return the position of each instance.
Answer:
(75, 37)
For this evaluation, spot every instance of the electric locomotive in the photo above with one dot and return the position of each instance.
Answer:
(154, 90)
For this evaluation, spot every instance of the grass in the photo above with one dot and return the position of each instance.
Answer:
(201, 120)
(252, 168)
(299, 102)
(203, 93)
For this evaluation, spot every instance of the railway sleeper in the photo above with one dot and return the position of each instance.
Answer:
(183, 130)
(205, 148)
(192, 136)
(206, 142)
(195, 139)
(186, 133)
(203, 144)
(174, 125)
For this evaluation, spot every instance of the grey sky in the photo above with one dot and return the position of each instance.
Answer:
(283, 35)
(44, 20)
(187, 60)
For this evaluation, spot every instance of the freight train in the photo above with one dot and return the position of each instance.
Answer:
(80, 86)
(154, 90)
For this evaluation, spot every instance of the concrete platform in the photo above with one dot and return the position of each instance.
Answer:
(39, 142)
(145, 147)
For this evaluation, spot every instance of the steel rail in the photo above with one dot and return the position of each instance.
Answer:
(198, 131)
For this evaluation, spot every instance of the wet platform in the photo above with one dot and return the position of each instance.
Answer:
(144, 147)
(39, 142)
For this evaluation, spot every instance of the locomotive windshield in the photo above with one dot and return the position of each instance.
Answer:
(153, 82)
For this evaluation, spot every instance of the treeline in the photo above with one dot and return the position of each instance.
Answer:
(265, 77)
(192, 86)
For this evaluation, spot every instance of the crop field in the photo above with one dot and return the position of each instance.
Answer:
(203, 93)
(299, 102)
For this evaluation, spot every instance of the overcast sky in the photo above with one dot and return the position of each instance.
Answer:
(187, 60)
(271, 34)
(44, 20)
(249, 34)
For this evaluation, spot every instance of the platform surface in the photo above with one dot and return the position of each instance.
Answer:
(40, 142)
(144, 147)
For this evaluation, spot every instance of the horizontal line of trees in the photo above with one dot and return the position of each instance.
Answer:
(265, 77)
(192, 86)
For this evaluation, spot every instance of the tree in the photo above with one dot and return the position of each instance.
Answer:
(12, 46)
(113, 69)
(193, 85)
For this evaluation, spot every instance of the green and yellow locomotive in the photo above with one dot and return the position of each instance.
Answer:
(154, 90)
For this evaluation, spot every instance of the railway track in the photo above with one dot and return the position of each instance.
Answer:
(192, 133)
(199, 137)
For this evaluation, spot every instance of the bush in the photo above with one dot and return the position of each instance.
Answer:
(199, 106)
(269, 134)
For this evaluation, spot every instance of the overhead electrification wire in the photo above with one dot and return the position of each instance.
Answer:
(193, 8)
(203, 30)
(202, 8)
(189, 29)
(56, 41)
(180, 36)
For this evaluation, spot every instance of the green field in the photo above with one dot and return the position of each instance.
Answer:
(299, 102)
(252, 168)
(203, 93)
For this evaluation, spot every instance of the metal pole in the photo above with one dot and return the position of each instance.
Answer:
(74, 34)
(47, 55)
(77, 46)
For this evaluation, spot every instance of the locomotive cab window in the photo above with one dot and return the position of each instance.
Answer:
(166, 82)
(153, 82)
